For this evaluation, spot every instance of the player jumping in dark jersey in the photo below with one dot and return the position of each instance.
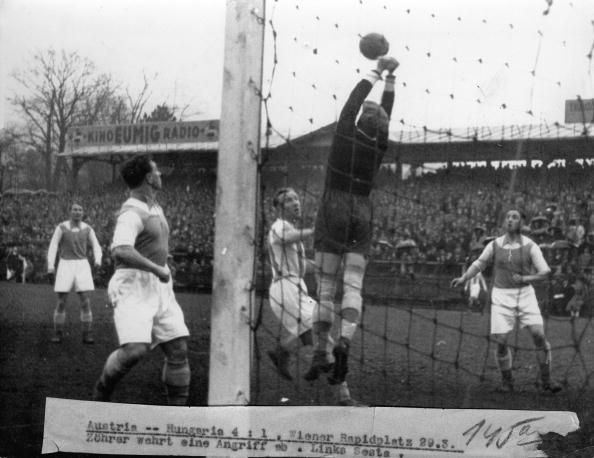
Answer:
(343, 226)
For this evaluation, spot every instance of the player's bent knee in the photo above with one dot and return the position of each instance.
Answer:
(61, 304)
(324, 310)
(540, 342)
(501, 342)
(351, 297)
(353, 283)
(131, 353)
(502, 349)
(176, 350)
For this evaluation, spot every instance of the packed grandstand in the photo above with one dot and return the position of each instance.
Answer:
(438, 219)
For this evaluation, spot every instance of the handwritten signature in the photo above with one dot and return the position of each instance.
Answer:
(520, 431)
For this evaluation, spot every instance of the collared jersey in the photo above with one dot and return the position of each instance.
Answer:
(286, 259)
(71, 241)
(143, 227)
(522, 258)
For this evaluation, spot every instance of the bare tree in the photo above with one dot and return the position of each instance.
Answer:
(138, 102)
(9, 139)
(55, 88)
(111, 105)
(103, 106)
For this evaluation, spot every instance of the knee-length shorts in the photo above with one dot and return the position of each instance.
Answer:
(145, 309)
(511, 305)
(292, 305)
(73, 275)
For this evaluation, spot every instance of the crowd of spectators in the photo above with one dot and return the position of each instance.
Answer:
(28, 220)
(440, 218)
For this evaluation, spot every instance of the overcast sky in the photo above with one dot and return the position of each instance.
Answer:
(463, 62)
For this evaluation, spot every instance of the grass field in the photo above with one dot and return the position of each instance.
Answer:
(403, 357)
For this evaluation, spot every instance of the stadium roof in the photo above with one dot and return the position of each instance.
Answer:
(492, 133)
(535, 142)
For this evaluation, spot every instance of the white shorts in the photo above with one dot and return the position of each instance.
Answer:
(73, 274)
(509, 305)
(145, 309)
(292, 305)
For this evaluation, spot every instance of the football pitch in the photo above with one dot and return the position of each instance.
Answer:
(402, 357)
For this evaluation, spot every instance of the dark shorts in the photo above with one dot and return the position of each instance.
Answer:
(343, 223)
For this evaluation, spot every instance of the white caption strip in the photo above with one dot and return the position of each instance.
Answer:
(110, 428)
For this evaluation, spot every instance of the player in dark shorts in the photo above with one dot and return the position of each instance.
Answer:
(343, 226)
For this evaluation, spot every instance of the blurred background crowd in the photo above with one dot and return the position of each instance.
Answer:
(428, 223)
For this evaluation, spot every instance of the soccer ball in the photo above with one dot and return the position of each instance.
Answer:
(374, 45)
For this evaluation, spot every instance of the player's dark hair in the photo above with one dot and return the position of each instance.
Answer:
(277, 199)
(134, 170)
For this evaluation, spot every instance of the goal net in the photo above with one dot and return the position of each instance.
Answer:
(477, 127)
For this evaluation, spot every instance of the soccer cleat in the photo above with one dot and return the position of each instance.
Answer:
(100, 393)
(551, 387)
(88, 338)
(57, 337)
(341, 356)
(280, 359)
(319, 365)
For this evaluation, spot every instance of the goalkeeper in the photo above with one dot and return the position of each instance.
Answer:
(343, 225)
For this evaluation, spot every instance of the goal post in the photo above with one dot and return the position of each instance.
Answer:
(236, 196)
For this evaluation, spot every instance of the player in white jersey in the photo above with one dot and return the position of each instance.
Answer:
(517, 262)
(288, 295)
(146, 313)
(70, 244)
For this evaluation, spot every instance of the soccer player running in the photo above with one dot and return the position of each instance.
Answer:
(70, 243)
(288, 295)
(517, 262)
(343, 227)
(146, 313)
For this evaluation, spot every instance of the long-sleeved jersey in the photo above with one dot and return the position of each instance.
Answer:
(286, 259)
(71, 242)
(512, 258)
(354, 157)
